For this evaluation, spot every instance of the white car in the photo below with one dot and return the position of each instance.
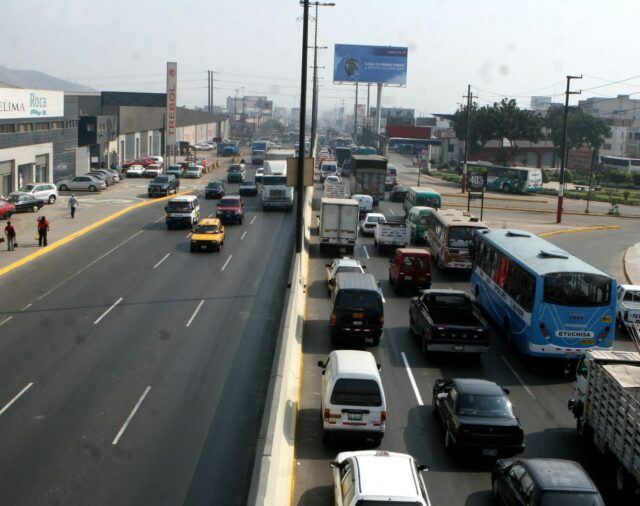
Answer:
(341, 265)
(136, 171)
(333, 179)
(193, 171)
(368, 224)
(378, 477)
(203, 146)
(628, 306)
(365, 202)
(45, 191)
(159, 160)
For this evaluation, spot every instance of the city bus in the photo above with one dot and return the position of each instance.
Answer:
(547, 302)
(620, 162)
(510, 179)
(406, 145)
(450, 233)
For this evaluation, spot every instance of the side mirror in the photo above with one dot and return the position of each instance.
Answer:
(321, 364)
(506, 391)
(423, 467)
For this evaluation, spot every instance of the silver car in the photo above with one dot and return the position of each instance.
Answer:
(88, 183)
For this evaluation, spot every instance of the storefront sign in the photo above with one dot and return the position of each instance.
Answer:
(19, 103)
(172, 98)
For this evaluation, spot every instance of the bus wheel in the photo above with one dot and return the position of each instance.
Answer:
(507, 187)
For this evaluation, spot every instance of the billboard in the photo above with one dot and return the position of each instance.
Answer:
(18, 103)
(370, 64)
(172, 99)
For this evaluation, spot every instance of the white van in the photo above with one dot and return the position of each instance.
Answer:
(353, 401)
(327, 168)
(391, 179)
(365, 203)
(182, 211)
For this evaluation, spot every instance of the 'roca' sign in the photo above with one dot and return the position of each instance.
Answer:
(17, 103)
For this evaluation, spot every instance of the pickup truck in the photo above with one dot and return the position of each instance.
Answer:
(163, 185)
(447, 320)
(628, 307)
(391, 234)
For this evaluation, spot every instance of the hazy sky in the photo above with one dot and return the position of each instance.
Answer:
(515, 48)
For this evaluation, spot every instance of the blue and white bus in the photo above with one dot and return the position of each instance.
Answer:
(546, 301)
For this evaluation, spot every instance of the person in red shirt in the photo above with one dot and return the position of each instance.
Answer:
(10, 232)
(43, 228)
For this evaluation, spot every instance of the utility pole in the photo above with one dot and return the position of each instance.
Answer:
(303, 113)
(563, 160)
(467, 142)
(355, 119)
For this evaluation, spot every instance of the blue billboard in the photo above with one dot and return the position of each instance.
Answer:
(370, 64)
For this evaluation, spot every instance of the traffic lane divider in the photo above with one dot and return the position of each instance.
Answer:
(546, 211)
(83, 231)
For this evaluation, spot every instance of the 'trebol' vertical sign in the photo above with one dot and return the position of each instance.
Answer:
(172, 98)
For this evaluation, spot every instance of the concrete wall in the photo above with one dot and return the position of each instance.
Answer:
(25, 155)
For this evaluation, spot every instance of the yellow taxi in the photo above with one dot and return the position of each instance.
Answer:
(207, 234)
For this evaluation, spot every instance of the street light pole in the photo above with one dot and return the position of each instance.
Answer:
(303, 107)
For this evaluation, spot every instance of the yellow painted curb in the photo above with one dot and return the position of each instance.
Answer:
(581, 229)
(83, 231)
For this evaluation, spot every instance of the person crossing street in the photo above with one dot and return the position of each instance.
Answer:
(43, 229)
(10, 232)
(73, 205)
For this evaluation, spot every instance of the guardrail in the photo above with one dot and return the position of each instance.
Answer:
(274, 463)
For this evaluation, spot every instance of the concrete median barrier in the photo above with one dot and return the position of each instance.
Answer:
(271, 483)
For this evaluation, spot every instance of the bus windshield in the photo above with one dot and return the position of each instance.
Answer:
(461, 237)
(577, 289)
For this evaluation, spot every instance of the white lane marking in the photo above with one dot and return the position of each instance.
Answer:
(365, 252)
(254, 219)
(225, 264)
(195, 312)
(5, 320)
(162, 260)
(77, 273)
(243, 234)
(131, 415)
(411, 379)
(8, 404)
(527, 389)
(188, 235)
(27, 306)
(108, 311)
(392, 211)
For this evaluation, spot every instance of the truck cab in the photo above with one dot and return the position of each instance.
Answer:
(628, 307)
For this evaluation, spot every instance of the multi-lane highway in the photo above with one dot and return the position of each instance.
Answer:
(539, 390)
(133, 371)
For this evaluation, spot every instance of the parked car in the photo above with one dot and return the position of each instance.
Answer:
(398, 194)
(259, 174)
(236, 173)
(175, 170)
(341, 265)
(231, 208)
(214, 190)
(88, 183)
(248, 188)
(163, 185)
(136, 170)
(378, 477)
(7, 209)
(158, 160)
(138, 161)
(153, 170)
(108, 179)
(203, 146)
(368, 224)
(540, 482)
(477, 417)
(193, 172)
(25, 202)
(112, 176)
(208, 234)
(45, 191)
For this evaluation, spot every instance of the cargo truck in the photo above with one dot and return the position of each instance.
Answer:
(258, 151)
(338, 224)
(342, 153)
(606, 405)
(368, 173)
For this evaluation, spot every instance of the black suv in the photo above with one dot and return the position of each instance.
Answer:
(163, 185)
(214, 190)
(477, 417)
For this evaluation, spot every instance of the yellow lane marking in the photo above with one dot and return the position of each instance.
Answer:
(580, 229)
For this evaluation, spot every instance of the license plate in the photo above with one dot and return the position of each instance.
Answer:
(355, 416)
(491, 452)
(588, 342)
(357, 315)
(408, 278)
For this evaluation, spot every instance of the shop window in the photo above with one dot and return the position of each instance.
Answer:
(25, 127)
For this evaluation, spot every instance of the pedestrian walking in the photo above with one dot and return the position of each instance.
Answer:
(10, 232)
(73, 205)
(43, 229)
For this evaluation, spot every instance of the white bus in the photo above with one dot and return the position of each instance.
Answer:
(620, 162)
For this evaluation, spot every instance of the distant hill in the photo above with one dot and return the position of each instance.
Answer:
(38, 80)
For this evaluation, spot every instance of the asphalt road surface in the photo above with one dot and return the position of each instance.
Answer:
(539, 389)
(133, 371)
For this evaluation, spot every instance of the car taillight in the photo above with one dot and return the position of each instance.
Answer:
(381, 320)
(332, 321)
(383, 417)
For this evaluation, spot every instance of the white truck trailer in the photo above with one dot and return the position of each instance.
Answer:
(338, 224)
(606, 405)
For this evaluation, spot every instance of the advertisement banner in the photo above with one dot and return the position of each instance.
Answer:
(172, 98)
(370, 64)
(16, 103)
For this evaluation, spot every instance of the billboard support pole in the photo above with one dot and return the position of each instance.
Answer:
(378, 115)
(355, 119)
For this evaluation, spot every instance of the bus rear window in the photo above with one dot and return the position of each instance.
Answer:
(577, 289)
(428, 201)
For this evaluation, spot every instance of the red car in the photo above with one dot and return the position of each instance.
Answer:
(231, 208)
(140, 161)
(6, 209)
